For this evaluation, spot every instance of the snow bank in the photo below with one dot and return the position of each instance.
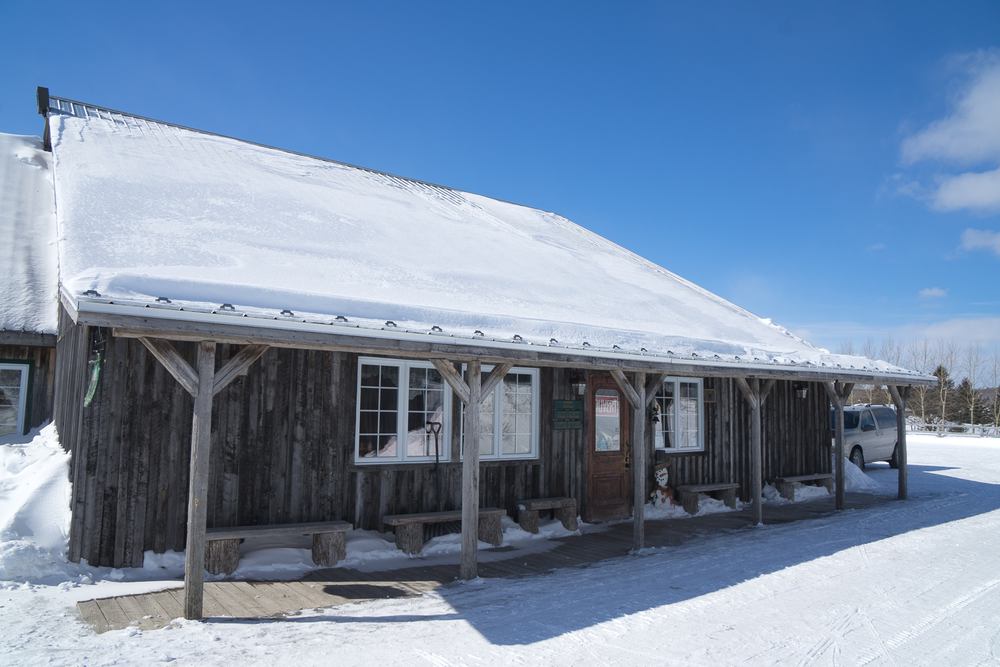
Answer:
(151, 210)
(34, 508)
(803, 492)
(664, 508)
(27, 237)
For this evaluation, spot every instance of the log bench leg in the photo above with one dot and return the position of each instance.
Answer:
(527, 519)
(828, 483)
(491, 531)
(690, 502)
(567, 515)
(787, 490)
(222, 556)
(328, 548)
(410, 538)
(729, 497)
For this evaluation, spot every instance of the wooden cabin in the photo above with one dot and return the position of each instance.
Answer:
(28, 304)
(252, 337)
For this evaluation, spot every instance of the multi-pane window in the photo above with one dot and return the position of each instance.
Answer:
(396, 401)
(682, 416)
(13, 399)
(508, 426)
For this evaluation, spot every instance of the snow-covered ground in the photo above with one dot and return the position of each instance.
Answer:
(914, 582)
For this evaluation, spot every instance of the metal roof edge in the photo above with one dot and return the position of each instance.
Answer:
(83, 308)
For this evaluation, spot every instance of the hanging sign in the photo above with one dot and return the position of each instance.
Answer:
(567, 415)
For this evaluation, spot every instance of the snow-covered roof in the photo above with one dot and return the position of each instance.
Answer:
(149, 210)
(28, 294)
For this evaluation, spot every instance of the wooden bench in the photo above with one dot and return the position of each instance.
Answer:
(222, 545)
(563, 509)
(786, 485)
(409, 528)
(689, 494)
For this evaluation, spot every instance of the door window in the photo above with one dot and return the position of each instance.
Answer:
(607, 421)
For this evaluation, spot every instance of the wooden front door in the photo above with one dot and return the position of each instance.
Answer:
(608, 478)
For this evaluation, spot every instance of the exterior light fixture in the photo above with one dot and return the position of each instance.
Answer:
(801, 389)
(578, 383)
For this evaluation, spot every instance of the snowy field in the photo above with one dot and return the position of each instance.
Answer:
(914, 582)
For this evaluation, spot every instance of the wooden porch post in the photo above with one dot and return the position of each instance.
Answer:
(471, 391)
(639, 395)
(203, 384)
(899, 398)
(838, 393)
(201, 445)
(469, 568)
(755, 397)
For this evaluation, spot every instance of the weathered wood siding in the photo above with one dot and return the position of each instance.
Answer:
(283, 448)
(41, 379)
(796, 437)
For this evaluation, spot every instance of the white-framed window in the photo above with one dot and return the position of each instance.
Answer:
(509, 419)
(396, 399)
(13, 399)
(682, 415)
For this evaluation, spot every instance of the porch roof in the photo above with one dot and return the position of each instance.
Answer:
(171, 225)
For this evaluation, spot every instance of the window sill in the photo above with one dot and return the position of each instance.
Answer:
(679, 452)
(408, 465)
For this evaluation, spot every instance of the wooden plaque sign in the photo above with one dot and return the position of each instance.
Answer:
(567, 415)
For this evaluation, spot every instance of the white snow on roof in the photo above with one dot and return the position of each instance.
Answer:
(28, 294)
(151, 210)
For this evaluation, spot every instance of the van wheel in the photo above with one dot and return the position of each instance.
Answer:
(894, 461)
(858, 458)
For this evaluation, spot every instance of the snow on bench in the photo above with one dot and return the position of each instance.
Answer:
(409, 528)
(689, 494)
(786, 485)
(222, 545)
(563, 509)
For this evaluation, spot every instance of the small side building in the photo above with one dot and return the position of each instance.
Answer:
(28, 286)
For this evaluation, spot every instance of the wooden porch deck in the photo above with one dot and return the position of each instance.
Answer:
(337, 586)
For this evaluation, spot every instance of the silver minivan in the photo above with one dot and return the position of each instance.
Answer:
(869, 434)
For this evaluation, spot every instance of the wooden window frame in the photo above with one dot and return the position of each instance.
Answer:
(498, 419)
(21, 426)
(676, 382)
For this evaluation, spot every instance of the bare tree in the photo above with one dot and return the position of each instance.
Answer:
(947, 355)
(995, 364)
(973, 358)
(868, 350)
(920, 359)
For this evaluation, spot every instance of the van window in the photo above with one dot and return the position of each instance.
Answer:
(867, 420)
(850, 420)
(886, 418)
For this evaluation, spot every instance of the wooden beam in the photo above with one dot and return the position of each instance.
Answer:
(495, 377)
(768, 386)
(747, 392)
(639, 465)
(245, 334)
(837, 397)
(653, 383)
(454, 380)
(201, 445)
(27, 339)
(899, 398)
(175, 364)
(630, 393)
(469, 568)
(237, 366)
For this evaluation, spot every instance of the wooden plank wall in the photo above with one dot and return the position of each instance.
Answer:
(283, 449)
(796, 437)
(42, 374)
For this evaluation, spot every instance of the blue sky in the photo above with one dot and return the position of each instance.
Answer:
(832, 166)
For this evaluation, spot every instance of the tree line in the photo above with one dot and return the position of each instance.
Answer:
(968, 379)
